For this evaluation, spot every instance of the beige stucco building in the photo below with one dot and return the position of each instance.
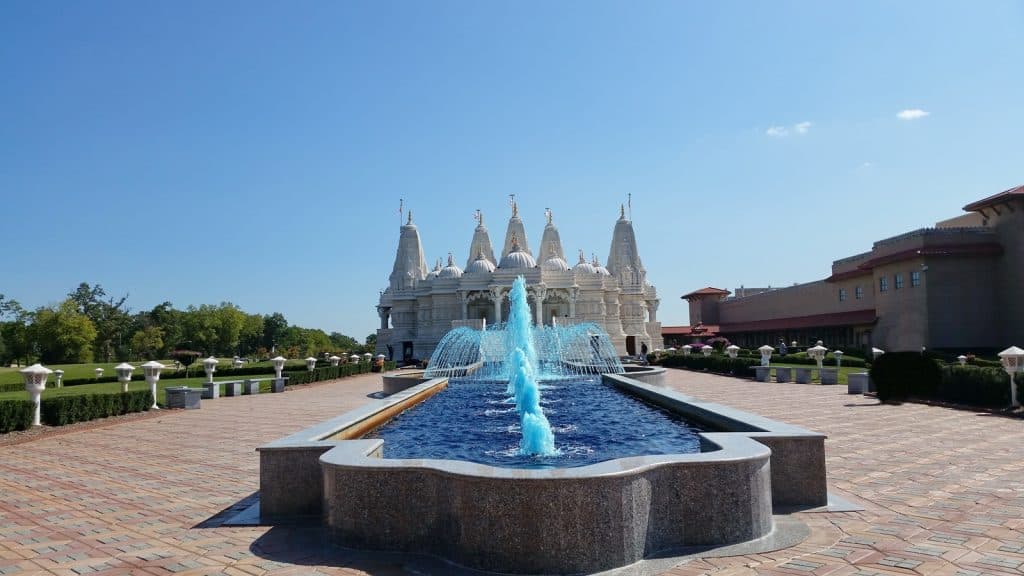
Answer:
(420, 306)
(955, 286)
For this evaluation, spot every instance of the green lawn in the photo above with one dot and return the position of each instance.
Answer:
(73, 371)
(115, 387)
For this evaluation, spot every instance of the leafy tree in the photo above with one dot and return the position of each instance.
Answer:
(148, 342)
(228, 321)
(64, 334)
(371, 342)
(251, 337)
(200, 328)
(109, 317)
(342, 342)
(169, 320)
(274, 327)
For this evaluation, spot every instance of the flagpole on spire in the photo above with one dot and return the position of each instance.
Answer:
(629, 202)
(401, 209)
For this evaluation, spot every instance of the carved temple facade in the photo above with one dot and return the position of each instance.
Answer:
(420, 305)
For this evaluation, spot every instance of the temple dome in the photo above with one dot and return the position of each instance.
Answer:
(437, 270)
(480, 266)
(555, 264)
(583, 266)
(451, 270)
(517, 258)
(598, 269)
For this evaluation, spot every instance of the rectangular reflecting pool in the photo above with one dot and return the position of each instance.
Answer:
(476, 421)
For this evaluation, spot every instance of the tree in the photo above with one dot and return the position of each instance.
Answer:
(274, 327)
(64, 334)
(251, 337)
(169, 320)
(228, 320)
(148, 342)
(343, 342)
(371, 342)
(109, 317)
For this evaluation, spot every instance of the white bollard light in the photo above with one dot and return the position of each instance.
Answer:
(278, 363)
(124, 374)
(766, 354)
(152, 370)
(1013, 361)
(686, 349)
(367, 357)
(59, 374)
(876, 352)
(962, 360)
(706, 350)
(210, 366)
(334, 359)
(35, 382)
(237, 363)
(354, 358)
(310, 363)
(839, 358)
(98, 372)
(817, 353)
(732, 350)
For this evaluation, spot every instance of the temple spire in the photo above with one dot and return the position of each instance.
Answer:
(515, 227)
(410, 266)
(481, 244)
(624, 256)
(551, 241)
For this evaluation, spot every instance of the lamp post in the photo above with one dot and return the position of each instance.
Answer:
(278, 363)
(839, 358)
(310, 363)
(98, 372)
(210, 366)
(686, 349)
(1013, 361)
(354, 358)
(818, 353)
(876, 352)
(152, 370)
(367, 357)
(59, 374)
(35, 382)
(706, 350)
(124, 374)
(732, 350)
(962, 360)
(766, 354)
(237, 363)
(334, 359)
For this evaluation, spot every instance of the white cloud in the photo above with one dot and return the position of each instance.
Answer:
(911, 114)
(783, 131)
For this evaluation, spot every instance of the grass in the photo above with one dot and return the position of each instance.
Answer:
(10, 375)
(115, 387)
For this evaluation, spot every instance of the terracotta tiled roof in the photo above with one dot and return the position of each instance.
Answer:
(795, 322)
(709, 291)
(995, 199)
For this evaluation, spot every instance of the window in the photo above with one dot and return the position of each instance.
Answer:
(899, 281)
(915, 278)
(842, 294)
(883, 284)
(858, 292)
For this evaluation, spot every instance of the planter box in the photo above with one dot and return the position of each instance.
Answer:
(783, 375)
(857, 383)
(829, 376)
(803, 375)
(277, 384)
(183, 397)
(762, 373)
(251, 387)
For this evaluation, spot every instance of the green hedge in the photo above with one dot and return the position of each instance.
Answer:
(715, 363)
(62, 410)
(15, 415)
(333, 372)
(898, 375)
(981, 386)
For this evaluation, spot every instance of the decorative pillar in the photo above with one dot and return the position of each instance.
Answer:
(35, 382)
(539, 293)
(496, 297)
(383, 312)
(464, 300)
(652, 310)
(574, 294)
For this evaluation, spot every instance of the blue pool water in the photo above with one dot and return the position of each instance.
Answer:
(477, 421)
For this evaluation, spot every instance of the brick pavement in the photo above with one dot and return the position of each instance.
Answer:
(943, 489)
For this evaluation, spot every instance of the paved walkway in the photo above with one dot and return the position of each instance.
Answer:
(943, 489)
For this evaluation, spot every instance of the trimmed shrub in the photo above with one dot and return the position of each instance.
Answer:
(63, 410)
(717, 363)
(975, 385)
(332, 372)
(898, 375)
(13, 387)
(15, 415)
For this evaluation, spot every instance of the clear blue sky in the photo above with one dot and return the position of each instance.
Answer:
(256, 151)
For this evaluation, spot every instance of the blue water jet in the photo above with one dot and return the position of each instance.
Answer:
(537, 436)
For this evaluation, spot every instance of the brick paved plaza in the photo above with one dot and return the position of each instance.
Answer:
(942, 489)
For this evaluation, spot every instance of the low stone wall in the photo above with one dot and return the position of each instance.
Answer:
(397, 381)
(648, 374)
(798, 455)
(560, 521)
